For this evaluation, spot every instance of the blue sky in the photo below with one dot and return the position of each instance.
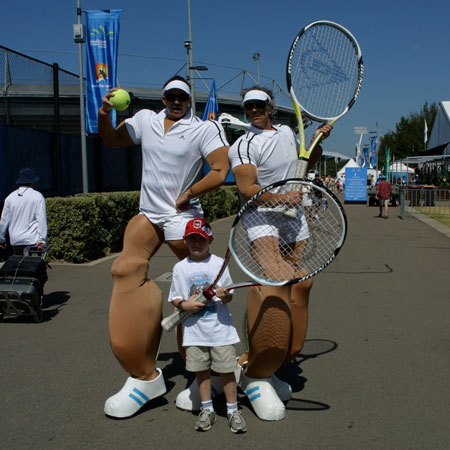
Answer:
(405, 46)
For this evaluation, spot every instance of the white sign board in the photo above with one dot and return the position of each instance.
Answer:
(360, 130)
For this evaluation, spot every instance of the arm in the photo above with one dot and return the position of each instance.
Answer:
(111, 137)
(41, 217)
(223, 294)
(317, 152)
(4, 223)
(246, 179)
(218, 162)
(190, 304)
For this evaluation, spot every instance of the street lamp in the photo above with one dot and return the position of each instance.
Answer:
(79, 38)
(257, 57)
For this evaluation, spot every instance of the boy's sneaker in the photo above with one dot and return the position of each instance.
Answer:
(237, 422)
(205, 420)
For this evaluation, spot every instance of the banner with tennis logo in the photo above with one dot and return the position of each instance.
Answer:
(373, 151)
(102, 48)
(211, 111)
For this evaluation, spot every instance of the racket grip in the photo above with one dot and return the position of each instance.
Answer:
(172, 320)
(301, 168)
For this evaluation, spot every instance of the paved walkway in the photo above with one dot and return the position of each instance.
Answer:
(373, 374)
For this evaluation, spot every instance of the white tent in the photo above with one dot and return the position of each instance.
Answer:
(350, 164)
(398, 166)
(231, 121)
(440, 134)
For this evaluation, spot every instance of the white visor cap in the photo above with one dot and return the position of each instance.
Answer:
(177, 84)
(256, 94)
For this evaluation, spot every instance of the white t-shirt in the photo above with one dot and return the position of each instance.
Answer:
(213, 325)
(24, 215)
(273, 152)
(173, 161)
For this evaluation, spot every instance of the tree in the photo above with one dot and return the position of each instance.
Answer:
(408, 137)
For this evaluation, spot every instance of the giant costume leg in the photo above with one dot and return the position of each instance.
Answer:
(299, 311)
(134, 319)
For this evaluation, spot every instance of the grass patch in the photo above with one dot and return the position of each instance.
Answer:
(442, 219)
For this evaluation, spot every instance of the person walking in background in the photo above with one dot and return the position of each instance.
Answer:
(383, 190)
(24, 215)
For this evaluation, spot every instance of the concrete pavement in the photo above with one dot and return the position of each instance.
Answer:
(373, 374)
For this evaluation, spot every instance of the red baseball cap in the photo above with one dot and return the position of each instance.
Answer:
(198, 226)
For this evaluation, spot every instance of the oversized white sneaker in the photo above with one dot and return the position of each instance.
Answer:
(189, 399)
(283, 389)
(263, 398)
(133, 395)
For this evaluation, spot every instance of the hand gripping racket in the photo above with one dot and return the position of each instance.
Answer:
(324, 73)
(276, 249)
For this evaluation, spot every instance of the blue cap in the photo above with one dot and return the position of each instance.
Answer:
(27, 176)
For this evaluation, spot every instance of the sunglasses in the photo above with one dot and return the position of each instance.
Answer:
(258, 104)
(172, 96)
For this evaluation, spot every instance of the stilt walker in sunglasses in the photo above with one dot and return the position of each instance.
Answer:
(277, 317)
(174, 145)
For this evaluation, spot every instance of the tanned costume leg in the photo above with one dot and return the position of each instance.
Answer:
(135, 319)
(136, 302)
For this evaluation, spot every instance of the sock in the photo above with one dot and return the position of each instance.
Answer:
(231, 408)
(208, 405)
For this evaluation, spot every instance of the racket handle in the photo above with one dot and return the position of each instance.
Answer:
(301, 168)
(171, 321)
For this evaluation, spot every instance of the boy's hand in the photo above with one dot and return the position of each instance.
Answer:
(191, 304)
(223, 294)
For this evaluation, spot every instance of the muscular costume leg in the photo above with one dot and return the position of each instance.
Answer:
(269, 329)
(136, 302)
(299, 313)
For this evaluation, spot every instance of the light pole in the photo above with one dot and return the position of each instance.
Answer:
(190, 60)
(79, 38)
(257, 57)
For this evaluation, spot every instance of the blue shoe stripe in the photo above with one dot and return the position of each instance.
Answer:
(254, 397)
(250, 391)
(138, 401)
(137, 391)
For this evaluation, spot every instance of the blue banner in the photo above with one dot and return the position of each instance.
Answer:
(366, 156)
(211, 111)
(102, 47)
(355, 185)
(373, 151)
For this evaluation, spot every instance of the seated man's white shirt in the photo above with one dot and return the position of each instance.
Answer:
(24, 217)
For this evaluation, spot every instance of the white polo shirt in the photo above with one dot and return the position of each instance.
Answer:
(24, 215)
(273, 152)
(173, 161)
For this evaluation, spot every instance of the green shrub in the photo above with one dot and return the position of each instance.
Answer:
(89, 226)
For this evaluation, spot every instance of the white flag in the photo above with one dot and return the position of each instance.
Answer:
(425, 135)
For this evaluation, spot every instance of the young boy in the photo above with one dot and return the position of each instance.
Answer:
(209, 335)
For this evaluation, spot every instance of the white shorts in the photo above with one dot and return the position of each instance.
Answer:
(173, 225)
(290, 229)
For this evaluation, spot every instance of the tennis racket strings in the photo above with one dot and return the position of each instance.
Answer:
(325, 70)
(273, 245)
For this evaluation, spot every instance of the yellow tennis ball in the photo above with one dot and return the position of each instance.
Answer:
(121, 100)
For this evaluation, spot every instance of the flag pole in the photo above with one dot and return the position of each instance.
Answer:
(80, 41)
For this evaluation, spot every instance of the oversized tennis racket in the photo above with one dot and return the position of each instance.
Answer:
(324, 72)
(276, 249)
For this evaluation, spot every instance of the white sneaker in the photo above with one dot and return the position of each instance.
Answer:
(283, 389)
(263, 398)
(189, 399)
(134, 395)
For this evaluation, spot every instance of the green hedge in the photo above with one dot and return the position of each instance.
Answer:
(89, 226)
